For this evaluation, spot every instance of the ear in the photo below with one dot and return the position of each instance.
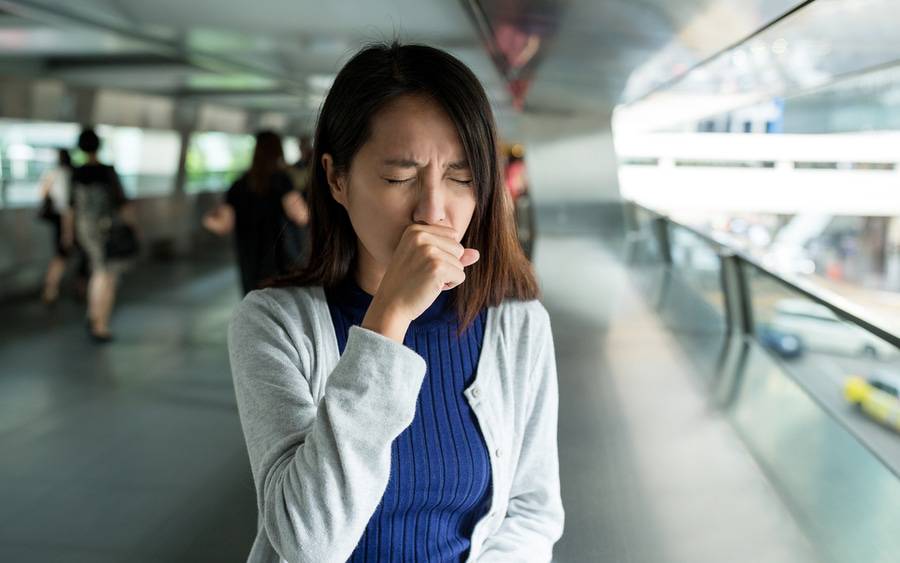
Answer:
(336, 181)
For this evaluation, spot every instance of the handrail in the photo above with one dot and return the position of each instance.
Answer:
(840, 306)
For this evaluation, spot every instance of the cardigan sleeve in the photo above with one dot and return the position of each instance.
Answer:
(534, 516)
(319, 470)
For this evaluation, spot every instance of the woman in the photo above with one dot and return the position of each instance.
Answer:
(258, 208)
(398, 396)
(55, 189)
(97, 202)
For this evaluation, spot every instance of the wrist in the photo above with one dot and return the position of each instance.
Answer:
(387, 321)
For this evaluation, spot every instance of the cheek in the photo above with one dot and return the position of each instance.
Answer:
(462, 210)
(379, 217)
(383, 208)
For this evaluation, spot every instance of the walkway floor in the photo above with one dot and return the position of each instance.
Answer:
(133, 451)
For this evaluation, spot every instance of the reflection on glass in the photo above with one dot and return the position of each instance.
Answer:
(847, 499)
(877, 396)
(822, 42)
(713, 29)
(644, 248)
(700, 265)
(792, 325)
(820, 330)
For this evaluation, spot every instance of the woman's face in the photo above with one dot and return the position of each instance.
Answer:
(412, 169)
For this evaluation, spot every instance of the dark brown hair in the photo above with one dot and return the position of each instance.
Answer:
(374, 77)
(88, 141)
(268, 157)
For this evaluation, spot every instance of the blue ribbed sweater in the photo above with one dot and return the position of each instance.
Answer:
(440, 483)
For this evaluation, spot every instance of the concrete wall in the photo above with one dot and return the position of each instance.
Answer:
(572, 173)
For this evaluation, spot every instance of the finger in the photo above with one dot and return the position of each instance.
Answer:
(439, 230)
(469, 257)
(454, 276)
(448, 245)
(441, 254)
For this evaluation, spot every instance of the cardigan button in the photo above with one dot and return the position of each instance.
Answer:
(475, 392)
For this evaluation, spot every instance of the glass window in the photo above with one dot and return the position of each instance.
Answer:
(27, 149)
(795, 326)
(146, 160)
(215, 160)
(700, 266)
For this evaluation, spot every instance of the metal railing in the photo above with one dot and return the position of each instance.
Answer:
(736, 287)
(739, 276)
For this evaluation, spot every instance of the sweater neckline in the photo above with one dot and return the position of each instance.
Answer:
(353, 302)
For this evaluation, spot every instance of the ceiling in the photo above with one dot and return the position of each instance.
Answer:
(557, 58)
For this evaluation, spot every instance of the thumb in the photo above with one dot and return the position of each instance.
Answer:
(469, 257)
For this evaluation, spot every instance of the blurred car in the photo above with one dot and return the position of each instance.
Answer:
(784, 344)
(886, 381)
(820, 329)
(876, 398)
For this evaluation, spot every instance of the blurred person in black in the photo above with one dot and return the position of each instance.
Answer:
(306, 151)
(97, 205)
(298, 235)
(259, 208)
(300, 170)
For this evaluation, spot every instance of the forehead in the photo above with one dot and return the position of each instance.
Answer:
(415, 123)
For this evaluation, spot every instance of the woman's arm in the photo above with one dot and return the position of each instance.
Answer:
(220, 219)
(534, 517)
(46, 183)
(320, 469)
(128, 213)
(295, 208)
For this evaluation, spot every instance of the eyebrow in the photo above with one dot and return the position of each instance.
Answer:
(409, 163)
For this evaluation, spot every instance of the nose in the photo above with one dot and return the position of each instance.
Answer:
(430, 202)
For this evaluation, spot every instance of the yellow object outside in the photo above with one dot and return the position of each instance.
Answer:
(856, 389)
(881, 406)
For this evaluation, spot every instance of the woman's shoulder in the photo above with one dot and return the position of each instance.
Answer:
(520, 333)
(239, 185)
(530, 308)
(293, 306)
(520, 317)
(92, 172)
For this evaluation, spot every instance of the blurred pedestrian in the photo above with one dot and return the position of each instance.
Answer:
(103, 221)
(54, 194)
(259, 208)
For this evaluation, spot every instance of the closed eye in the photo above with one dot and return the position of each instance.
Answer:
(464, 182)
(399, 180)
